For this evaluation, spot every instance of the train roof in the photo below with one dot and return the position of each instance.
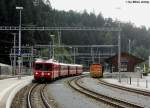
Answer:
(51, 61)
(63, 64)
(39, 60)
(74, 65)
(79, 65)
(46, 61)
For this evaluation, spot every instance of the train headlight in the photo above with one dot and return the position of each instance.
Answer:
(48, 74)
(36, 73)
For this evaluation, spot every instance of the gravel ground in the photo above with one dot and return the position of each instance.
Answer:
(116, 93)
(20, 98)
(66, 97)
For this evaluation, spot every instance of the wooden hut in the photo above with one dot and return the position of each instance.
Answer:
(128, 62)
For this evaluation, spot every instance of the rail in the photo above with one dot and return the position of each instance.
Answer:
(43, 98)
(74, 83)
(141, 92)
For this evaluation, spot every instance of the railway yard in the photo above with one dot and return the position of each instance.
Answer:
(84, 57)
(75, 92)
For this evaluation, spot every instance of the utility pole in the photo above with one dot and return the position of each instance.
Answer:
(129, 46)
(14, 61)
(92, 55)
(119, 53)
(49, 50)
(99, 57)
(59, 37)
(11, 61)
(71, 52)
(74, 55)
(59, 41)
(31, 59)
(52, 36)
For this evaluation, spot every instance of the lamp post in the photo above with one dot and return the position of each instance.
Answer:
(19, 53)
(52, 36)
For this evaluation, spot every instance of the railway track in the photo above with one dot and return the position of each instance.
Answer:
(37, 89)
(74, 83)
(141, 92)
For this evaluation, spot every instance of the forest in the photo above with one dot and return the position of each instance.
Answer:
(42, 14)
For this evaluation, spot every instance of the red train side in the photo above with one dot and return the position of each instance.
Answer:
(63, 70)
(72, 69)
(79, 69)
(47, 70)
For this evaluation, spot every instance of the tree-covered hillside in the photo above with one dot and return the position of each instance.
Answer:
(44, 15)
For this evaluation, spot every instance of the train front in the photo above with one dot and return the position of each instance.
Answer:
(42, 71)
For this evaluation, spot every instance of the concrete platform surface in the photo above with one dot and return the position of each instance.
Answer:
(137, 83)
(9, 87)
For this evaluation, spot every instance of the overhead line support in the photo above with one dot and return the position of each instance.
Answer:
(14, 28)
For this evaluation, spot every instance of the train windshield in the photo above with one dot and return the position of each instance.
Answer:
(47, 67)
(38, 66)
(43, 67)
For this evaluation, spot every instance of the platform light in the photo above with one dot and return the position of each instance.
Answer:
(19, 8)
(19, 61)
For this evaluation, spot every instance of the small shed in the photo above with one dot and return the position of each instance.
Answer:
(128, 62)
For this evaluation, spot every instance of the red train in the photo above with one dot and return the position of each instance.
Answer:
(48, 70)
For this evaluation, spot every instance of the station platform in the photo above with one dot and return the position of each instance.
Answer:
(9, 87)
(136, 83)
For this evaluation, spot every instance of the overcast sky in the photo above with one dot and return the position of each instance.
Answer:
(124, 10)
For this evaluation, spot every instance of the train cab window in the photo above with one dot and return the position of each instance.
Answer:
(38, 66)
(47, 67)
(43, 67)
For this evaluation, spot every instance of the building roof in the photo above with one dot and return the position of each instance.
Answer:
(127, 55)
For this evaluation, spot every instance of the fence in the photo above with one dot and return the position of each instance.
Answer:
(5, 70)
(24, 71)
(131, 78)
(123, 74)
(137, 82)
(8, 70)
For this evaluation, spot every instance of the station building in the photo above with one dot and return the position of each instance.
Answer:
(128, 62)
